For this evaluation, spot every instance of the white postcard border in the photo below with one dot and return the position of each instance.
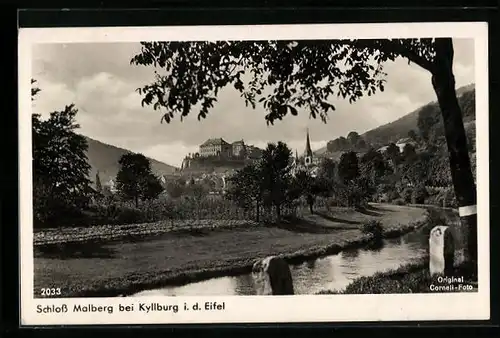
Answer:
(255, 309)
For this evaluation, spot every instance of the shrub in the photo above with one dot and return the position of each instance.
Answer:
(419, 194)
(373, 228)
(434, 217)
(399, 201)
(129, 215)
(392, 195)
(406, 194)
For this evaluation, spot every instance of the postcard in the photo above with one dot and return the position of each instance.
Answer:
(254, 174)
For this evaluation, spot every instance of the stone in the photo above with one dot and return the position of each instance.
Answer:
(441, 250)
(272, 276)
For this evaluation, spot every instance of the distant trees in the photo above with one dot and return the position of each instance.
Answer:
(175, 189)
(373, 166)
(135, 179)
(98, 185)
(353, 142)
(348, 168)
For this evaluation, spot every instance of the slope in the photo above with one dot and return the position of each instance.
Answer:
(104, 157)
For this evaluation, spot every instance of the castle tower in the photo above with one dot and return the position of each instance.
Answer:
(308, 159)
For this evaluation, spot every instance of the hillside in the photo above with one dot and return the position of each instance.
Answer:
(104, 157)
(393, 131)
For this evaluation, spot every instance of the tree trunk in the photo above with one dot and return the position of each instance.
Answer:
(257, 209)
(278, 212)
(310, 201)
(443, 82)
(136, 201)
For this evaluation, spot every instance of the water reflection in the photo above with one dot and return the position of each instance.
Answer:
(333, 272)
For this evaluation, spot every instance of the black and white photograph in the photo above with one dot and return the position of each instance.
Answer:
(325, 167)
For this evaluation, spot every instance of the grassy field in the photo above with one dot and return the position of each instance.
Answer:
(113, 268)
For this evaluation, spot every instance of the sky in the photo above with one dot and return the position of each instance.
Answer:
(99, 79)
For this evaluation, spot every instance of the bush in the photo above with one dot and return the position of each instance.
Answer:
(434, 217)
(399, 201)
(129, 215)
(392, 195)
(419, 194)
(406, 194)
(373, 228)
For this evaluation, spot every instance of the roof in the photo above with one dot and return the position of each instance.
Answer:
(214, 142)
(238, 142)
(404, 140)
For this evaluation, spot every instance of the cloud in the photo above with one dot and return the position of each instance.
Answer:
(52, 97)
(99, 79)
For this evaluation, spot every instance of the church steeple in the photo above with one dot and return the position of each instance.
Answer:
(308, 151)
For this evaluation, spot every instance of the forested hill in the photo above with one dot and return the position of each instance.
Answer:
(400, 128)
(104, 157)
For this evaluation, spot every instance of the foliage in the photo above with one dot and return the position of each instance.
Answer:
(348, 168)
(419, 194)
(196, 71)
(309, 187)
(135, 179)
(276, 175)
(246, 188)
(98, 185)
(60, 168)
(34, 90)
(373, 166)
(175, 189)
(393, 154)
(399, 201)
(373, 228)
(339, 144)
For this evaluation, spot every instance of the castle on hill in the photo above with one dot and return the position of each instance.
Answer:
(218, 150)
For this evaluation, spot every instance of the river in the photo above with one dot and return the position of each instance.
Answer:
(332, 272)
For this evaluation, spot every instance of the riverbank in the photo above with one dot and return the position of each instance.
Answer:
(108, 269)
(412, 278)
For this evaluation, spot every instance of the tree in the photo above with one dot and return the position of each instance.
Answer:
(152, 187)
(409, 153)
(98, 186)
(328, 169)
(34, 90)
(60, 168)
(353, 138)
(303, 184)
(175, 189)
(303, 75)
(135, 179)
(348, 168)
(413, 135)
(361, 144)
(393, 154)
(275, 164)
(373, 166)
(416, 170)
(246, 188)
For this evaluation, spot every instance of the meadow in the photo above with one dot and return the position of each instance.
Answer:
(107, 266)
